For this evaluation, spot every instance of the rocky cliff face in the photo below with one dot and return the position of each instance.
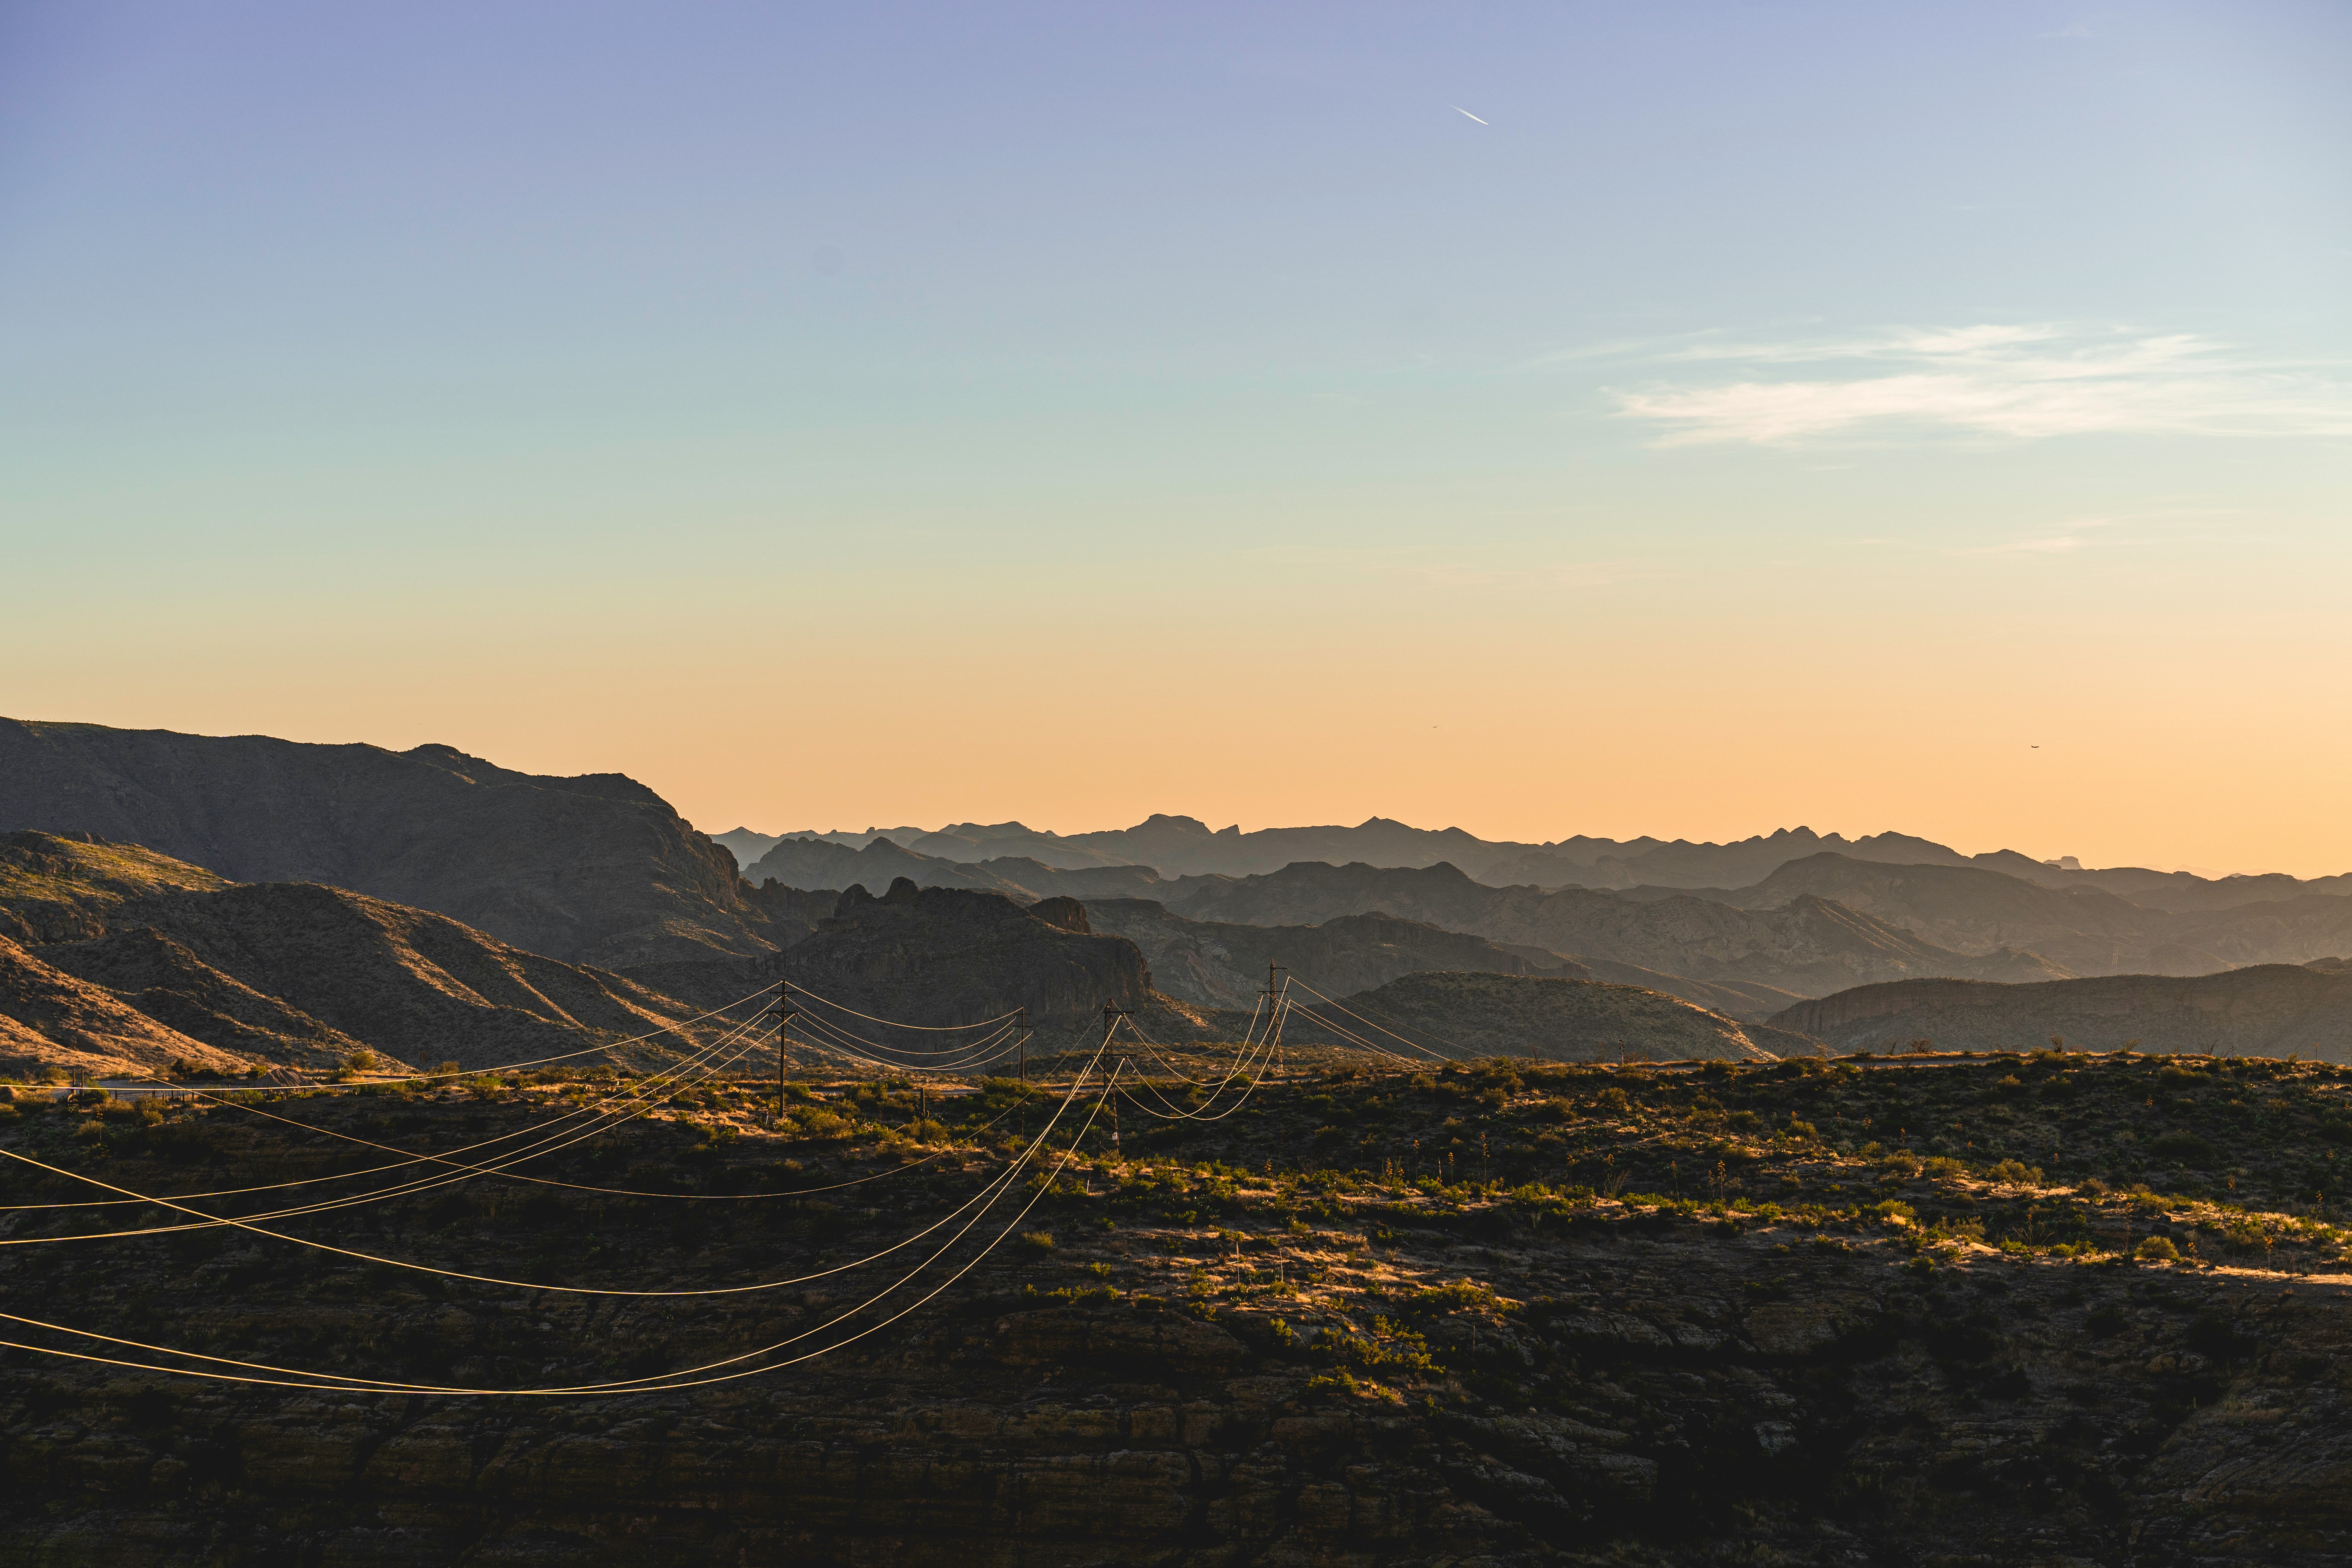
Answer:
(595, 870)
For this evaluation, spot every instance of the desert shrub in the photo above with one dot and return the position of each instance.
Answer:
(2185, 1147)
(2156, 1250)
(2016, 1172)
(1034, 1243)
(1943, 1165)
(1554, 1110)
(1462, 1296)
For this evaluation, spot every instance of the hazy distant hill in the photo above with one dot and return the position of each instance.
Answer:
(944, 956)
(1749, 965)
(1225, 964)
(745, 844)
(2271, 1009)
(1562, 1019)
(1178, 847)
(1749, 1001)
(595, 870)
(2080, 928)
(113, 956)
(1185, 845)
(812, 863)
(1810, 946)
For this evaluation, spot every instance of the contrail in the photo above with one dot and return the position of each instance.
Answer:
(1459, 110)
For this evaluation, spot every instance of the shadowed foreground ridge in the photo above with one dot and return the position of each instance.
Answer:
(1504, 1313)
(595, 870)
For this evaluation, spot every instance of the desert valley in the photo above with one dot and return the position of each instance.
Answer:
(1220, 786)
(410, 1159)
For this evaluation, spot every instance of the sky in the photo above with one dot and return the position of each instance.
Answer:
(1684, 419)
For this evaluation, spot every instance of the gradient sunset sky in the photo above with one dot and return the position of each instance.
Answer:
(831, 416)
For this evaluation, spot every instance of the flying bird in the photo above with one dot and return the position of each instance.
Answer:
(1459, 110)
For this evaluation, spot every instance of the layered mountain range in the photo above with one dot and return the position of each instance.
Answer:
(1185, 846)
(1811, 925)
(599, 875)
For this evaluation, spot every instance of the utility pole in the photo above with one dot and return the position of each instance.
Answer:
(1274, 1004)
(784, 1017)
(1023, 1028)
(1111, 1015)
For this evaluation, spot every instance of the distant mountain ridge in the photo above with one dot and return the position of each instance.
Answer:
(2273, 1009)
(1551, 1017)
(1225, 965)
(1176, 847)
(2080, 928)
(1809, 946)
(812, 863)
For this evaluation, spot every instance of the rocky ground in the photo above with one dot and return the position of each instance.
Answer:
(2007, 1310)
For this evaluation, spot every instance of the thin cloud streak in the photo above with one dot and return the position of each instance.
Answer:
(2069, 538)
(2021, 382)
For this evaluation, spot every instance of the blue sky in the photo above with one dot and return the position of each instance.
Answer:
(1849, 388)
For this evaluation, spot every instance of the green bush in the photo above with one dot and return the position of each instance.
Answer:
(2185, 1147)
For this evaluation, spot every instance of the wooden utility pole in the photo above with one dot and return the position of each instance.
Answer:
(784, 1017)
(1023, 1028)
(1111, 1015)
(1273, 1006)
